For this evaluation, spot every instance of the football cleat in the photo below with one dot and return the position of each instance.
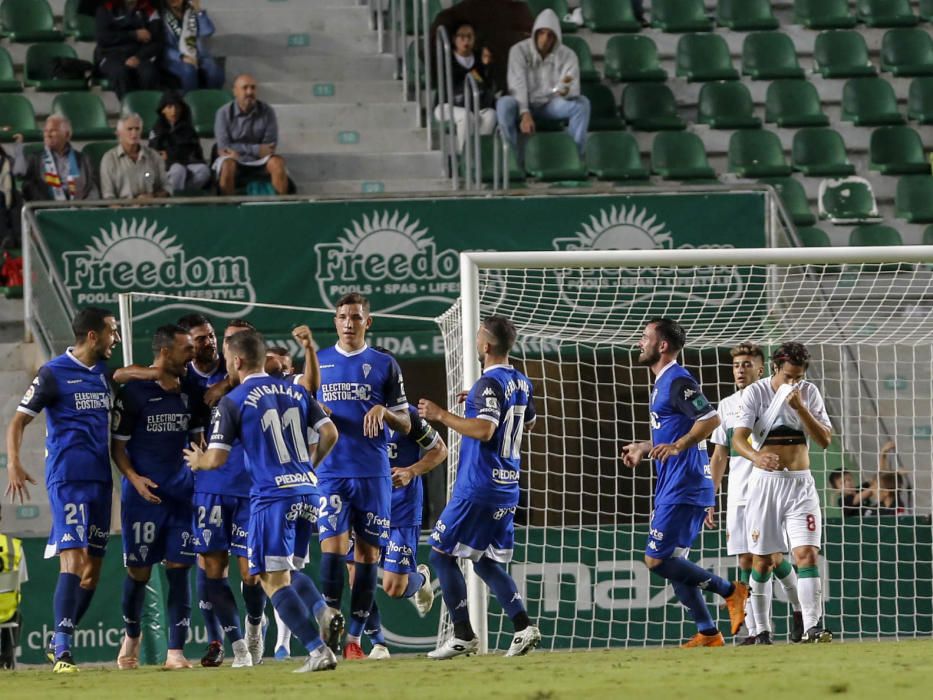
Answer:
(796, 630)
(353, 651)
(321, 659)
(379, 652)
(65, 664)
(524, 641)
(749, 641)
(423, 600)
(242, 655)
(214, 656)
(704, 640)
(764, 638)
(736, 605)
(455, 647)
(256, 640)
(331, 624)
(817, 635)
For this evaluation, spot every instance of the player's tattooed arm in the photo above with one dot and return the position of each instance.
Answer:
(699, 431)
(142, 484)
(17, 475)
(477, 428)
(311, 377)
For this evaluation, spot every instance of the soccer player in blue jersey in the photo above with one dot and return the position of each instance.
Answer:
(273, 419)
(681, 421)
(152, 423)
(477, 523)
(364, 390)
(74, 391)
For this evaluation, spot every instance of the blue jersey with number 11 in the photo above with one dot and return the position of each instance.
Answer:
(488, 471)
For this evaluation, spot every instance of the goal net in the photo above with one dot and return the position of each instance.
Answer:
(864, 314)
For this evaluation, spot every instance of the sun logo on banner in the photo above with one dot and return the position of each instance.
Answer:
(625, 228)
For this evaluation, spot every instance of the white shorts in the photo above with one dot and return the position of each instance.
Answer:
(778, 503)
(736, 537)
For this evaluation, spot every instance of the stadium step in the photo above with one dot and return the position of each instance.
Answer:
(332, 67)
(350, 140)
(364, 166)
(369, 187)
(323, 92)
(374, 115)
(267, 18)
(294, 44)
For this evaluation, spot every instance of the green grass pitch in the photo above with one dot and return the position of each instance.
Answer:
(877, 670)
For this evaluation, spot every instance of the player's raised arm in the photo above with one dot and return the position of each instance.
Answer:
(136, 373)
(311, 375)
(805, 399)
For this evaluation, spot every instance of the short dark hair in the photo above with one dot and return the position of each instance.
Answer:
(278, 350)
(249, 345)
(353, 298)
(671, 332)
(835, 478)
(164, 336)
(90, 318)
(750, 349)
(189, 321)
(503, 332)
(795, 353)
(241, 323)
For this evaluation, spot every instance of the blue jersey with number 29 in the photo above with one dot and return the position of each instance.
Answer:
(488, 471)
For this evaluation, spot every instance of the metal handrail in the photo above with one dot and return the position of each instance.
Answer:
(445, 83)
(426, 47)
(473, 162)
(500, 160)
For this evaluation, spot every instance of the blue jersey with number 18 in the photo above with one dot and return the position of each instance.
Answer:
(488, 471)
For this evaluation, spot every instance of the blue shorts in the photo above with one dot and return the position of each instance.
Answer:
(400, 555)
(221, 523)
(469, 530)
(362, 505)
(276, 529)
(80, 517)
(673, 530)
(153, 532)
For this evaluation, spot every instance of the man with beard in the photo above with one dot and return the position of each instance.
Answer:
(681, 421)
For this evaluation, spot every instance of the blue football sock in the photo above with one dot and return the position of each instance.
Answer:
(683, 570)
(134, 595)
(83, 602)
(373, 628)
(214, 633)
(501, 584)
(63, 604)
(362, 596)
(254, 600)
(220, 596)
(332, 573)
(310, 595)
(692, 599)
(178, 607)
(296, 616)
(454, 591)
(415, 582)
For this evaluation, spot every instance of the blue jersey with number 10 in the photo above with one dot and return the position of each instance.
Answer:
(488, 471)
(273, 418)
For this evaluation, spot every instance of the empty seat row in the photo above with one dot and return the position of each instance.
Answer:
(29, 21)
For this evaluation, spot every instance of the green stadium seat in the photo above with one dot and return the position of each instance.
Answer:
(679, 155)
(745, 15)
(920, 100)
(650, 107)
(702, 57)
(897, 150)
(794, 198)
(604, 112)
(726, 105)
(8, 80)
(144, 103)
(609, 16)
(28, 21)
(913, 200)
(886, 13)
(907, 52)
(553, 157)
(86, 113)
(588, 72)
(78, 26)
(794, 103)
(613, 155)
(633, 59)
(841, 53)
(487, 145)
(813, 237)
(38, 68)
(820, 152)
(204, 105)
(869, 102)
(17, 117)
(677, 16)
(926, 10)
(757, 153)
(824, 14)
(875, 235)
(769, 56)
(95, 152)
(848, 200)
(559, 6)
(434, 8)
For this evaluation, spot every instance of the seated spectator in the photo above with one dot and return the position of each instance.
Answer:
(59, 172)
(129, 45)
(853, 501)
(132, 170)
(888, 497)
(186, 56)
(544, 83)
(466, 62)
(247, 134)
(173, 136)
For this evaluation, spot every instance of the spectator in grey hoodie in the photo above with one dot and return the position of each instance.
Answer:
(544, 83)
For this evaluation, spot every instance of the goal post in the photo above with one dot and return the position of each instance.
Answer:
(866, 314)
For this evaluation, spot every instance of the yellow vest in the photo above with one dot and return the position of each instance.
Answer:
(11, 558)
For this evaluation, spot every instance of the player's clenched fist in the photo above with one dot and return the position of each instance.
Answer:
(302, 334)
(633, 453)
(430, 410)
